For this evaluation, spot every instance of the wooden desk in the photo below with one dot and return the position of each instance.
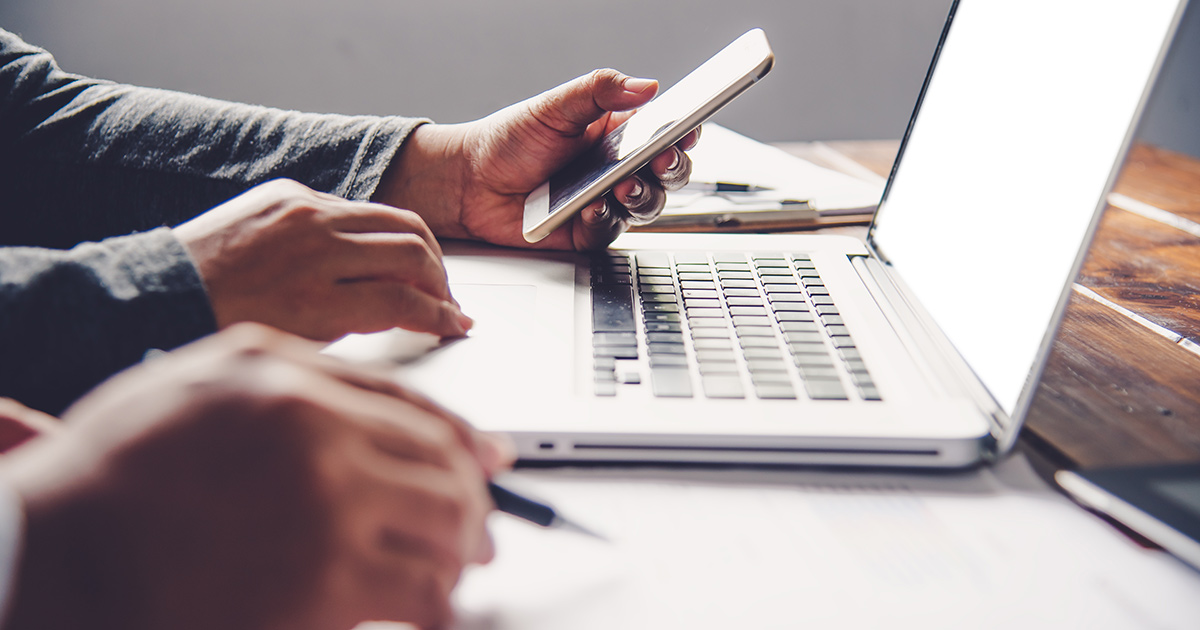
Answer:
(1122, 385)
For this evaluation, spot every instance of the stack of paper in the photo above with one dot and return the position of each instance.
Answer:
(798, 194)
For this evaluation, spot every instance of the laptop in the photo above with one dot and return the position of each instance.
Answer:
(921, 347)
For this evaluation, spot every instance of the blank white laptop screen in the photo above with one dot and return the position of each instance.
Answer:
(1006, 163)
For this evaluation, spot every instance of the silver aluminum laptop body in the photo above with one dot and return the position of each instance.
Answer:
(1022, 123)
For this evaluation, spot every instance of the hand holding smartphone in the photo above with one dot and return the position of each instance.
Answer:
(651, 130)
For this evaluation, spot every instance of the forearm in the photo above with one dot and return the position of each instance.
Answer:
(69, 319)
(88, 159)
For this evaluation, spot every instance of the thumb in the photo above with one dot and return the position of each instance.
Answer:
(572, 106)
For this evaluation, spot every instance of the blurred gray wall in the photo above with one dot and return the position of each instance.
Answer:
(847, 69)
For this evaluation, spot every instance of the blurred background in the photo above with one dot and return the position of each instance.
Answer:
(846, 69)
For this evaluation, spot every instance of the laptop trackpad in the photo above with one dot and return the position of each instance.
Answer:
(521, 347)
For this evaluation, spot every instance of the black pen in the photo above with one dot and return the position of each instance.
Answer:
(723, 187)
(538, 513)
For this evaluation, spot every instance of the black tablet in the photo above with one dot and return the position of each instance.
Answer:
(1161, 503)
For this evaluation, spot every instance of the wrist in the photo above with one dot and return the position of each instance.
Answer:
(426, 176)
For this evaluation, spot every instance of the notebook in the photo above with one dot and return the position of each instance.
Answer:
(920, 348)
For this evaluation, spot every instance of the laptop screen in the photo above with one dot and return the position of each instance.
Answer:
(1027, 110)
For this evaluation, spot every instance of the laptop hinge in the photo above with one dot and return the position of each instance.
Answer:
(934, 354)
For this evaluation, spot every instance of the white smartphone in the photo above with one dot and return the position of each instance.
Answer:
(656, 126)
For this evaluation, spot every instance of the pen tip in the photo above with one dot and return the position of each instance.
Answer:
(567, 525)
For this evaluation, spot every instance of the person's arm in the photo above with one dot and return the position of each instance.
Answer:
(83, 159)
(69, 319)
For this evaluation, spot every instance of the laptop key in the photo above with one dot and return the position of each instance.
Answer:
(759, 342)
(611, 278)
(659, 298)
(668, 360)
(733, 266)
(606, 388)
(700, 313)
(869, 393)
(744, 301)
(732, 293)
(651, 289)
(700, 293)
(817, 372)
(615, 352)
(649, 280)
(711, 333)
(794, 316)
(663, 327)
(761, 366)
(715, 355)
(775, 391)
(842, 342)
(708, 322)
(717, 367)
(722, 386)
(777, 298)
(751, 320)
(800, 328)
(729, 257)
(662, 317)
(825, 390)
(755, 331)
(832, 320)
(652, 259)
(645, 272)
(670, 382)
(660, 307)
(614, 339)
(664, 348)
(664, 337)
(612, 309)
(698, 284)
(813, 360)
(712, 344)
(735, 275)
(762, 353)
(775, 289)
(748, 310)
(738, 284)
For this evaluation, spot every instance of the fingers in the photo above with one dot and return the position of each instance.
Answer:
(19, 423)
(641, 199)
(359, 217)
(571, 107)
(397, 258)
(379, 305)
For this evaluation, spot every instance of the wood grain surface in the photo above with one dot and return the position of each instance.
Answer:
(1119, 387)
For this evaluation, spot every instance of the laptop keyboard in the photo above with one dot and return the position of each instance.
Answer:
(721, 325)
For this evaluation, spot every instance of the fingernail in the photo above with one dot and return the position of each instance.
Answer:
(465, 322)
(674, 160)
(635, 85)
(636, 192)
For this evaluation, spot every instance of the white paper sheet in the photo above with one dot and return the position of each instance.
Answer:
(723, 155)
(788, 550)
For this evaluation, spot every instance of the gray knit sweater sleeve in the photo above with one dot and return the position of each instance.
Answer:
(86, 160)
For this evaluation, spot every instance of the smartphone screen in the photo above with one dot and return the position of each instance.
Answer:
(656, 126)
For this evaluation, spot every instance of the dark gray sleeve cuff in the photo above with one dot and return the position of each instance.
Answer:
(69, 319)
